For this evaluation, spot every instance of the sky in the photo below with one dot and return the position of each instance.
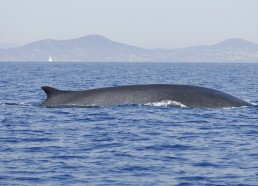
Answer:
(143, 23)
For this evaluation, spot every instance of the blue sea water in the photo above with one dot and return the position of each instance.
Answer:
(131, 144)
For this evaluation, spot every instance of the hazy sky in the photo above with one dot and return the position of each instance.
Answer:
(144, 23)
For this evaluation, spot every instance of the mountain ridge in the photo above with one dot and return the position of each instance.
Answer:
(96, 48)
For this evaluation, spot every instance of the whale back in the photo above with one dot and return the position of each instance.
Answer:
(190, 96)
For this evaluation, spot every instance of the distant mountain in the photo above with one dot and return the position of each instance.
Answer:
(236, 44)
(231, 50)
(95, 48)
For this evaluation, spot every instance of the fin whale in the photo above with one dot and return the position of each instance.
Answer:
(190, 96)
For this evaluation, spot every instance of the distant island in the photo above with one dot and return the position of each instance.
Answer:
(96, 48)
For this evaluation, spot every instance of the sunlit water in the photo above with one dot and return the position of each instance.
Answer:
(126, 145)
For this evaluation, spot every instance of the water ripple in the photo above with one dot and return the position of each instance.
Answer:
(131, 144)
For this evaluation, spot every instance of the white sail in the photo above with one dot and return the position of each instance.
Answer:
(50, 59)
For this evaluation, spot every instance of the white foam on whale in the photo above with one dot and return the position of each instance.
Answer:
(166, 103)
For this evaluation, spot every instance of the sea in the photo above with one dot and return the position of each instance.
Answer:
(131, 145)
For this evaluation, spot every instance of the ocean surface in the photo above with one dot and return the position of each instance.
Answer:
(130, 144)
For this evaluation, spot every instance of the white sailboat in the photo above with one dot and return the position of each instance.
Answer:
(50, 59)
(130, 60)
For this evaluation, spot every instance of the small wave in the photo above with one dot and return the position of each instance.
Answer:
(24, 104)
(15, 104)
(157, 104)
(166, 103)
(71, 106)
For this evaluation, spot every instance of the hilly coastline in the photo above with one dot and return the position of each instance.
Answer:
(96, 48)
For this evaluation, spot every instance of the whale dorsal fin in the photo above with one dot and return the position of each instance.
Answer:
(50, 91)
